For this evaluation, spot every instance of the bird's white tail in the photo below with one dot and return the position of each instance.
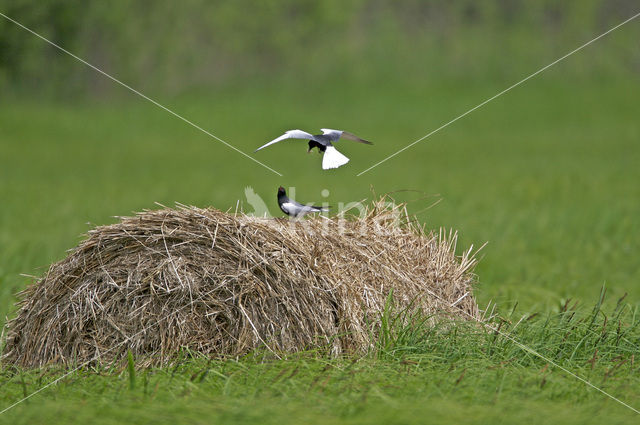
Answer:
(333, 159)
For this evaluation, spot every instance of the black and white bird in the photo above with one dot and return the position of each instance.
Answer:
(293, 208)
(324, 142)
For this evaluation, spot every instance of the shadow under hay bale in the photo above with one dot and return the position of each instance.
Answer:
(224, 284)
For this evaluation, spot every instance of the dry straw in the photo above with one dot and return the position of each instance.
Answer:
(223, 284)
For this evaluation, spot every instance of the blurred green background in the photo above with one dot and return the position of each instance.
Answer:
(546, 174)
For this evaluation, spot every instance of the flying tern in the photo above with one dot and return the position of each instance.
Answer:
(324, 142)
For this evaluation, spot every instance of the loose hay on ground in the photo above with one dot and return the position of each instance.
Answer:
(223, 284)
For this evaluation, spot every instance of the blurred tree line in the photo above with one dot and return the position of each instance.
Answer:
(171, 46)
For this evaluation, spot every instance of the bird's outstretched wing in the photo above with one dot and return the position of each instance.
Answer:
(291, 134)
(334, 135)
(349, 136)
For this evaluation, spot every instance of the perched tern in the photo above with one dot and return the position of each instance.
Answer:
(293, 208)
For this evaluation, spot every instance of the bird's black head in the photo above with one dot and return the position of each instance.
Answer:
(314, 144)
(281, 191)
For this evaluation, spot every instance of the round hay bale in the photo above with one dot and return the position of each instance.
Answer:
(223, 284)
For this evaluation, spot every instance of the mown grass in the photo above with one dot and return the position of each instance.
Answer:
(547, 175)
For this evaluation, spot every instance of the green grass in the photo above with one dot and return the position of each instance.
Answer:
(461, 373)
(548, 175)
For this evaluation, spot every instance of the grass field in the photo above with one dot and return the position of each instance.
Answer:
(547, 175)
